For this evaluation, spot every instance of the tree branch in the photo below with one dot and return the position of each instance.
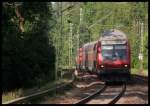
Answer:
(21, 19)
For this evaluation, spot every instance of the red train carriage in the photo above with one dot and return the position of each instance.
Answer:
(84, 61)
(90, 57)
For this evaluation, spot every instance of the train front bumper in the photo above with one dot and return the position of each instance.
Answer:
(114, 74)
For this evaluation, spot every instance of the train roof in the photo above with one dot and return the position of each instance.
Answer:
(113, 34)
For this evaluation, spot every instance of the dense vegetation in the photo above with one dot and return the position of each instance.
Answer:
(28, 56)
(40, 39)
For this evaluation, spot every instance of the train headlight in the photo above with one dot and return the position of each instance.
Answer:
(126, 65)
(102, 66)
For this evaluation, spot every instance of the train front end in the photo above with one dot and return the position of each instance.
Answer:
(115, 59)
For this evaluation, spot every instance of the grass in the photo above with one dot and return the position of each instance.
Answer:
(7, 96)
(139, 72)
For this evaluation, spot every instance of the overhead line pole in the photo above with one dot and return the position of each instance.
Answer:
(78, 33)
(57, 51)
(61, 47)
(142, 46)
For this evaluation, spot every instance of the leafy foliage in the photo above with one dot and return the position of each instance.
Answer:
(30, 55)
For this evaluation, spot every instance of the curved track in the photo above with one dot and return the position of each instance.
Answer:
(140, 77)
(84, 100)
(98, 92)
(117, 97)
(26, 99)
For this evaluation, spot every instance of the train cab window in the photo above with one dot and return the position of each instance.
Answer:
(113, 52)
(107, 52)
(120, 51)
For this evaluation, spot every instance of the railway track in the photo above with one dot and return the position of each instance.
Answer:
(86, 99)
(117, 97)
(26, 99)
(140, 77)
(98, 92)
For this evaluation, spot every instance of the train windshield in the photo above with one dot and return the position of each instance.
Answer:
(107, 52)
(113, 52)
(120, 51)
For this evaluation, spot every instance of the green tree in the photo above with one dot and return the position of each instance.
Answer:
(27, 44)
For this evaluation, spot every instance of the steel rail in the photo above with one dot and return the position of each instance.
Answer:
(141, 77)
(117, 97)
(86, 99)
(39, 94)
(145, 80)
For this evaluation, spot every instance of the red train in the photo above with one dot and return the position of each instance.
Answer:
(109, 57)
